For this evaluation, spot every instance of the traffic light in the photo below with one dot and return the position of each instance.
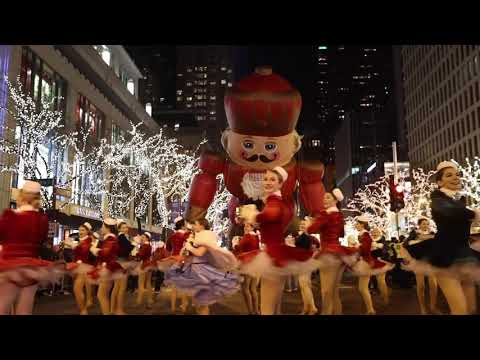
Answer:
(397, 201)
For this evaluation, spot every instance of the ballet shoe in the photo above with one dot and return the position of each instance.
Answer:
(371, 313)
(435, 311)
(84, 312)
(312, 312)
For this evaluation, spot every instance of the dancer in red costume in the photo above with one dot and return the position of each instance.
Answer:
(175, 244)
(144, 270)
(107, 268)
(368, 265)
(22, 233)
(333, 256)
(277, 260)
(81, 267)
(249, 242)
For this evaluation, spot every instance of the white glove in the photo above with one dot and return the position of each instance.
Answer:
(235, 241)
(134, 252)
(249, 213)
(290, 241)
(94, 250)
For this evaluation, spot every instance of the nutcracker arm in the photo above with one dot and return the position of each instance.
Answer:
(204, 185)
(312, 191)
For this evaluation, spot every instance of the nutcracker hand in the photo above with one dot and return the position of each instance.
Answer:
(94, 250)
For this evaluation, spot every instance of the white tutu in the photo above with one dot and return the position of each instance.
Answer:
(41, 275)
(262, 265)
(362, 268)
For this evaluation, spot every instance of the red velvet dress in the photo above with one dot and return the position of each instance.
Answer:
(21, 235)
(278, 259)
(330, 225)
(176, 241)
(83, 257)
(174, 244)
(144, 256)
(107, 267)
(248, 243)
(368, 264)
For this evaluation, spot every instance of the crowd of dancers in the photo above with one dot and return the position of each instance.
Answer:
(200, 271)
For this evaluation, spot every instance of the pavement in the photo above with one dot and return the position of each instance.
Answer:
(402, 302)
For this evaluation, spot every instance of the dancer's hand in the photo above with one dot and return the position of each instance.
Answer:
(94, 250)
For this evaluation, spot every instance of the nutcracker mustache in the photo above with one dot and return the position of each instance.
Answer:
(262, 158)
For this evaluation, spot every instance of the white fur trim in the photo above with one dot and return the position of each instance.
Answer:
(362, 268)
(146, 233)
(26, 207)
(283, 173)
(177, 219)
(337, 193)
(32, 187)
(332, 209)
(446, 164)
(88, 226)
(363, 218)
(110, 221)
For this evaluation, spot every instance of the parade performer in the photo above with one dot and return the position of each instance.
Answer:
(423, 233)
(249, 242)
(262, 110)
(278, 260)
(204, 272)
(107, 269)
(448, 255)
(144, 270)
(120, 284)
(82, 265)
(22, 233)
(332, 256)
(369, 265)
(308, 242)
(175, 244)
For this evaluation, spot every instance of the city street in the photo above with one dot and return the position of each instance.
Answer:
(403, 302)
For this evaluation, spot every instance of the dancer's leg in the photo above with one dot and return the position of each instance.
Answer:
(149, 288)
(420, 280)
(382, 286)
(364, 291)
(103, 297)
(470, 291)
(328, 288)
(305, 283)
(8, 294)
(254, 295)
(78, 285)
(120, 301)
(269, 292)
(173, 299)
(114, 296)
(89, 290)
(203, 310)
(337, 306)
(452, 289)
(433, 291)
(141, 288)
(246, 293)
(26, 298)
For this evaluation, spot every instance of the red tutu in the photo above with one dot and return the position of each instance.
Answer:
(106, 272)
(79, 268)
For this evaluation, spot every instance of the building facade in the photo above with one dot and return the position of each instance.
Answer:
(441, 86)
(93, 86)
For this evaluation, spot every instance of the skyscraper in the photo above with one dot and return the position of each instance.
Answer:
(442, 102)
(203, 74)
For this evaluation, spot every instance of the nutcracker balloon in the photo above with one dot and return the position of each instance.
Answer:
(262, 110)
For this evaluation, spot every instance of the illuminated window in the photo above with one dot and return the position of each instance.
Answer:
(148, 108)
(223, 82)
(229, 84)
(179, 92)
(106, 56)
(131, 86)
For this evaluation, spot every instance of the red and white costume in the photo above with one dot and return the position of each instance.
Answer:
(175, 244)
(83, 257)
(368, 264)
(144, 257)
(22, 232)
(278, 259)
(249, 242)
(330, 224)
(107, 267)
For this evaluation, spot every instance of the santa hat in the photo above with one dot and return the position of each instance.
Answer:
(262, 104)
(363, 218)
(282, 173)
(87, 225)
(337, 194)
(147, 234)
(110, 222)
(31, 187)
(447, 164)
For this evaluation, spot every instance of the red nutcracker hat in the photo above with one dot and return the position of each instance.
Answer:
(263, 104)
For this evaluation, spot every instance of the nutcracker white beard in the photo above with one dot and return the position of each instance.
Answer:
(252, 185)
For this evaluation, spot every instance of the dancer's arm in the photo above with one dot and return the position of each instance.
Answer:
(196, 251)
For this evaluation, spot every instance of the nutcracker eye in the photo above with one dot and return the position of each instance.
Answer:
(248, 145)
(270, 147)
